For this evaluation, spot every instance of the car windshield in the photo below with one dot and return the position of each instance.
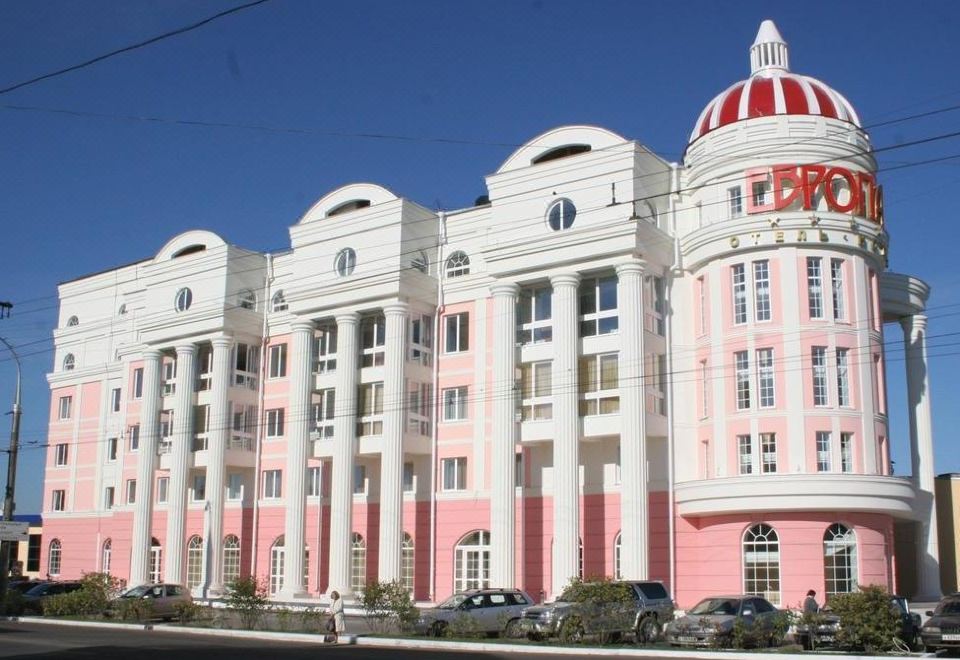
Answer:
(136, 592)
(716, 606)
(453, 602)
(38, 590)
(949, 607)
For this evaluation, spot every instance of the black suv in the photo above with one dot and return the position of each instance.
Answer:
(942, 629)
(652, 607)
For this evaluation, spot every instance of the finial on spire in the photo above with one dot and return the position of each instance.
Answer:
(768, 54)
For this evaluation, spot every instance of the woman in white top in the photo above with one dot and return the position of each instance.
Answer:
(336, 611)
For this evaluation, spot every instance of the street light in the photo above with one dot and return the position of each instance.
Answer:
(11, 478)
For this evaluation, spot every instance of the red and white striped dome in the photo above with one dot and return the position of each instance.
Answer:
(772, 90)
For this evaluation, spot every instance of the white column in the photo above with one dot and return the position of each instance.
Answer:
(216, 461)
(344, 441)
(391, 458)
(634, 517)
(146, 466)
(566, 455)
(921, 452)
(298, 439)
(504, 436)
(180, 465)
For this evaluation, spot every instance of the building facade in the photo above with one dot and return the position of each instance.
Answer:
(610, 365)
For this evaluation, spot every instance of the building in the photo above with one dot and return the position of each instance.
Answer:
(25, 557)
(948, 514)
(610, 365)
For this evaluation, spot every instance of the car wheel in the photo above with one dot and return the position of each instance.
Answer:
(648, 630)
(512, 629)
(438, 629)
(571, 631)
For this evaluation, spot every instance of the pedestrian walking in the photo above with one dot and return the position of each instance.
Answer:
(336, 617)
(810, 605)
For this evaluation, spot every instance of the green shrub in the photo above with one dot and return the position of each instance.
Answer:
(312, 620)
(187, 611)
(867, 621)
(387, 606)
(13, 603)
(283, 616)
(606, 608)
(248, 598)
(132, 609)
(463, 626)
(91, 599)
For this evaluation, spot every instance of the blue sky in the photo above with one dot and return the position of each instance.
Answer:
(459, 85)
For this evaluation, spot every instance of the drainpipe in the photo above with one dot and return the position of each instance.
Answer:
(671, 436)
(267, 280)
(435, 431)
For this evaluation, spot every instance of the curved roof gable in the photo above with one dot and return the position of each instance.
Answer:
(347, 198)
(189, 242)
(564, 136)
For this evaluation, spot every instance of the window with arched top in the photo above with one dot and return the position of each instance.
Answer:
(69, 362)
(54, 557)
(407, 562)
(122, 309)
(346, 262)
(156, 561)
(358, 563)
(458, 264)
(194, 562)
(761, 562)
(277, 556)
(421, 262)
(617, 549)
(840, 559)
(106, 556)
(72, 321)
(231, 559)
(247, 299)
(278, 303)
(471, 560)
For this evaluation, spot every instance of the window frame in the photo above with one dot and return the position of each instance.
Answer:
(536, 391)
(590, 295)
(453, 471)
(741, 370)
(594, 398)
(275, 418)
(65, 407)
(738, 288)
(370, 417)
(454, 401)
(278, 361)
(766, 378)
(815, 287)
(272, 484)
(456, 265)
(345, 262)
(535, 316)
(456, 333)
(762, 295)
(734, 202)
(61, 454)
(843, 377)
(130, 491)
(557, 213)
(58, 500)
(818, 372)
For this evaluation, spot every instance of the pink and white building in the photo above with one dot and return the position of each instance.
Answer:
(611, 365)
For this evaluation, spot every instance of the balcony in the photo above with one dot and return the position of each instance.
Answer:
(239, 452)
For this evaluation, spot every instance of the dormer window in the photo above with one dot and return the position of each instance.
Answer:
(346, 207)
(561, 152)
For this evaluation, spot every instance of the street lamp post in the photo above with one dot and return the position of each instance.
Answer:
(8, 504)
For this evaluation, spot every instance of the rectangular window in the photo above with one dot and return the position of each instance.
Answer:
(313, 481)
(659, 306)
(815, 287)
(745, 453)
(168, 377)
(742, 364)
(163, 487)
(199, 487)
(62, 454)
(843, 378)
(108, 497)
(115, 399)
(325, 349)
(739, 275)
(536, 391)
(735, 200)
(702, 302)
(823, 451)
(359, 479)
(421, 339)
(454, 473)
(420, 408)
(278, 361)
(535, 316)
(408, 477)
(373, 337)
(768, 452)
(234, 486)
(454, 404)
(133, 432)
(765, 387)
(704, 389)
(275, 423)
(370, 409)
(138, 383)
(846, 452)
(65, 407)
(819, 359)
(323, 412)
(659, 378)
(204, 367)
(518, 470)
(58, 500)
(457, 332)
(761, 191)
(836, 282)
(599, 384)
(272, 484)
(131, 491)
(598, 306)
(246, 364)
(111, 449)
(166, 425)
(761, 290)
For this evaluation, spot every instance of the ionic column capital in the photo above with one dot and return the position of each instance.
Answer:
(632, 267)
(396, 309)
(565, 280)
(505, 289)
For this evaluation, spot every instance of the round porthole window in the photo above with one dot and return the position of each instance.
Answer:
(345, 262)
(182, 302)
(560, 215)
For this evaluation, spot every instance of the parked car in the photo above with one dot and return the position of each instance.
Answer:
(643, 617)
(710, 623)
(942, 629)
(163, 598)
(35, 597)
(490, 610)
(23, 586)
(828, 623)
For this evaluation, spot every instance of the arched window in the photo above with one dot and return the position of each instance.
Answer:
(472, 562)
(54, 557)
(279, 303)
(840, 559)
(69, 362)
(345, 262)
(231, 559)
(122, 310)
(276, 566)
(194, 562)
(72, 321)
(106, 556)
(761, 562)
(407, 562)
(458, 264)
(247, 299)
(617, 566)
(358, 563)
(421, 262)
(156, 561)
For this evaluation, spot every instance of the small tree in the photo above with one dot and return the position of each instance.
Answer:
(387, 606)
(91, 599)
(605, 608)
(248, 598)
(867, 620)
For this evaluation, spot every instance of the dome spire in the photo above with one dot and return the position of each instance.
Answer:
(768, 54)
